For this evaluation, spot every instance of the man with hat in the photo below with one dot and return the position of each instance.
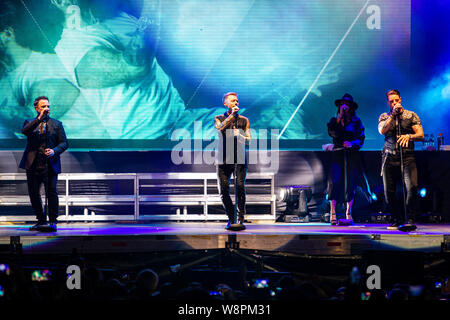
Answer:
(400, 128)
(348, 136)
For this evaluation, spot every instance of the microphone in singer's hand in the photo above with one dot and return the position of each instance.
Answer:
(396, 110)
(45, 114)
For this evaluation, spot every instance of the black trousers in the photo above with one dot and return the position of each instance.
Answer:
(34, 180)
(392, 176)
(224, 172)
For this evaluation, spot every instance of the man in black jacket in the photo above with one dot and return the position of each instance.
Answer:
(46, 140)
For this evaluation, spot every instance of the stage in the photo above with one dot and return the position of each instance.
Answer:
(135, 135)
(142, 202)
(305, 238)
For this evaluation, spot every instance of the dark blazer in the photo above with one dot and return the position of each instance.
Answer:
(56, 140)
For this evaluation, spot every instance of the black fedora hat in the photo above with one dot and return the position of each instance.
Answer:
(347, 98)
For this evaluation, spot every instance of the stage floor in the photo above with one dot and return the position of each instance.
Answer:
(309, 239)
(215, 228)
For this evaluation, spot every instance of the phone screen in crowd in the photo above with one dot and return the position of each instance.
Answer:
(261, 283)
(41, 275)
(4, 268)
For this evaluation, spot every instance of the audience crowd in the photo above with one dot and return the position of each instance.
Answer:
(20, 282)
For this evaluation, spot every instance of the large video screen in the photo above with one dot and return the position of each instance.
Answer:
(138, 70)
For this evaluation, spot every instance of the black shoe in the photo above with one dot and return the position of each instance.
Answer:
(241, 226)
(407, 227)
(334, 221)
(37, 226)
(393, 226)
(345, 222)
(235, 226)
(51, 227)
(241, 223)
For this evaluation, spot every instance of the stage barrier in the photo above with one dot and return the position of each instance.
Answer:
(173, 196)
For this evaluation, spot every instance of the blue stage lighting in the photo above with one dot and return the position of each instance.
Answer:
(374, 197)
(423, 192)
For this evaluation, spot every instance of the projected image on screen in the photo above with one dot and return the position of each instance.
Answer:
(141, 69)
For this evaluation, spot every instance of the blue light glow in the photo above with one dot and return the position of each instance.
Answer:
(423, 192)
(435, 97)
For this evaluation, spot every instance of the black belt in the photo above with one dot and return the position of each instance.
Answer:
(387, 152)
(397, 152)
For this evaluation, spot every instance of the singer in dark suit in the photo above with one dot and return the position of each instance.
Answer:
(234, 129)
(407, 123)
(46, 140)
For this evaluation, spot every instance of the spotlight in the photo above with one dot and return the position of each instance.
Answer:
(407, 227)
(292, 202)
(430, 201)
(374, 197)
(282, 194)
(423, 192)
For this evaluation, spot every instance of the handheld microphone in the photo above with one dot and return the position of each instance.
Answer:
(45, 117)
(396, 110)
(234, 112)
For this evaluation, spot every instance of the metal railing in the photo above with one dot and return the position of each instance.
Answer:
(142, 195)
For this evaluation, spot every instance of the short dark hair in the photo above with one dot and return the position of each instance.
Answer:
(39, 36)
(228, 94)
(393, 91)
(8, 12)
(36, 101)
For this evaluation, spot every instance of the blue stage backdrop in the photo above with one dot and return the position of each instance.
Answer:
(138, 70)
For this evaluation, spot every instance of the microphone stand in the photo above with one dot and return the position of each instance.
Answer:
(406, 227)
(46, 170)
(235, 176)
(345, 222)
